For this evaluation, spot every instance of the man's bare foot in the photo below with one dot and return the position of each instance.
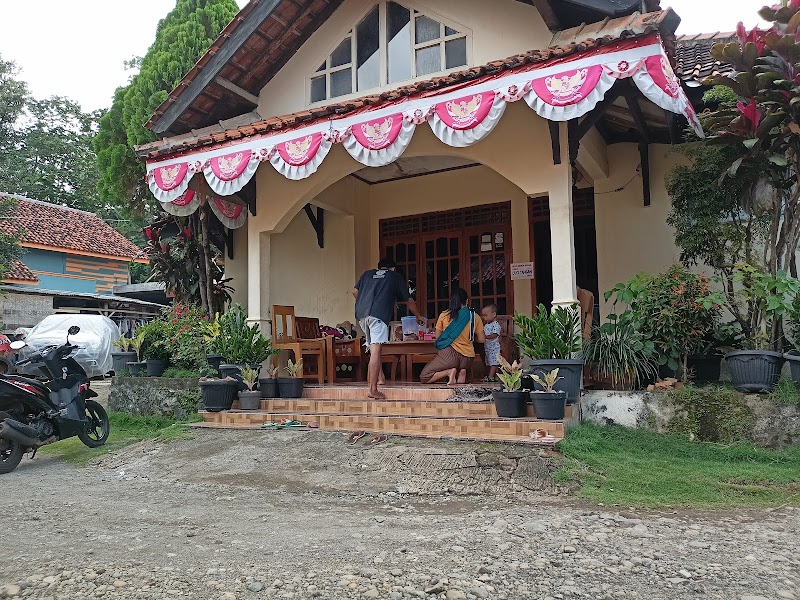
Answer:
(376, 395)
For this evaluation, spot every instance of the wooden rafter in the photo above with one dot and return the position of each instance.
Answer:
(317, 222)
(241, 93)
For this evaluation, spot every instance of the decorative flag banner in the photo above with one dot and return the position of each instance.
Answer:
(301, 157)
(168, 182)
(229, 173)
(570, 94)
(230, 214)
(459, 118)
(183, 205)
(379, 142)
(466, 121)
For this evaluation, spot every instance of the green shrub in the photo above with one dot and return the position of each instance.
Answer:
(179, 373)
(240, 343)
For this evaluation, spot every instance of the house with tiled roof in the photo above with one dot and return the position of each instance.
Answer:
(515, 148)
(67, 250)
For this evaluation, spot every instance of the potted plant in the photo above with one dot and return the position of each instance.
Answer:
(268, 386)
(217, 394)
(121, 359)
(552, 341)
(673, 310)
(249, 399)
(705, 364)
(135, 344)
(241, 344)
(155, 347)
(619, 356)
(292, 386)
(510, 402)
(549, 404)
(758, 369)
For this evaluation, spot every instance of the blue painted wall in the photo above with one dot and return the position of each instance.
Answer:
(72, 273)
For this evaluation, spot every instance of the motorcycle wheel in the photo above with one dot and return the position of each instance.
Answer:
(98, 428)
(10, 455)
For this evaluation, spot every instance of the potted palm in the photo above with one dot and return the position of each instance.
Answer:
(218, 394)
(510, 402)
(549, 404)
(553, 341)
(249, 399)
(123, 357)
(619, 356)
(135, 344)
(292, 386)
(268, 385)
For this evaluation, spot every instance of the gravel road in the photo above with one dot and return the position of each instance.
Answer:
(248, 515)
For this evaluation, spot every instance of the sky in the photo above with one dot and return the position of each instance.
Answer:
(77, 48)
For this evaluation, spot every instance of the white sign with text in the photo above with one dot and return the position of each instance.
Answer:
(522, 270)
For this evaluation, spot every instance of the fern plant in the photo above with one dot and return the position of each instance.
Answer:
(550, 336)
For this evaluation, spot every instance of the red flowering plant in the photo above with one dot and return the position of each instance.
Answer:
(674, 310)
(189, 334)
(761, 127)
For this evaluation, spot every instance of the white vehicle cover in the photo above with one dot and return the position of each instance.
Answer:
(95, 339)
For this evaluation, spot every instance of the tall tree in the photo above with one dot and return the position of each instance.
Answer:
(181, 39)
(10, 250)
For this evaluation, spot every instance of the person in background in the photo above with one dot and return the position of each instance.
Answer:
(456, 330)
(376, 293)
(491, 329)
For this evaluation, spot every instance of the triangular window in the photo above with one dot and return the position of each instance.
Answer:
(389, 45)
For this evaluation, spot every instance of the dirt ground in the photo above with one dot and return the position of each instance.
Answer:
(250, 514)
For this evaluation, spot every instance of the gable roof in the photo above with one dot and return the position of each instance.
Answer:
(50, 226)
(20, 272)
(578, 39)
(260, 40)
(693, 56)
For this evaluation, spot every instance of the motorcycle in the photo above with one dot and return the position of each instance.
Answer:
(34, 413)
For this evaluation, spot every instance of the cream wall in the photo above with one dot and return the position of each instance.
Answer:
(499, 29)
(630, 236)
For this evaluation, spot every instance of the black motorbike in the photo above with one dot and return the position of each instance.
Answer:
(34, 413)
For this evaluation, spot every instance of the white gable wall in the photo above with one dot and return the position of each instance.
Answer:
(499, 28)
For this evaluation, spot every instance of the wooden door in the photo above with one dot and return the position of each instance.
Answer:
(442, 267)
(406, 254)
(487, 260)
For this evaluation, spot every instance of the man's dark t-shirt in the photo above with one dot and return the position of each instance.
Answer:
(378, 292)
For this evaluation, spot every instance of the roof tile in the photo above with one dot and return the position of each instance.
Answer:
(57, 226)
(20, 272)
(693, 56)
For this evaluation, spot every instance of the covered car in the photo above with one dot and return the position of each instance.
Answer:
(96, 338)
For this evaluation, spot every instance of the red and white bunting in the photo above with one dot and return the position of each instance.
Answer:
(379, 142)
(569, 94)
(558, 92)
(168, 182)
(230, 214)
(301, 157)
(229, 173)
(466, 121)
(184, 205)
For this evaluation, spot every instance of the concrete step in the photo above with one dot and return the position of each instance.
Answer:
(392, 392)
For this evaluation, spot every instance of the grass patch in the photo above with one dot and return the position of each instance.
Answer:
(786, 392)
(125, 430)
(618, 466)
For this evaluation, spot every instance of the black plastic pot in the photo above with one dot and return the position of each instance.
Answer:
(511, 405)
(135, 368)
(120, 361)
(570, 370)
(268, 388)
(250, 400)
(755, 370)
(290, 387)
(705, 367)
(214, 360)
(549, 406)
(234, 372)
(156, 368)
(218, 394)
(794, 368)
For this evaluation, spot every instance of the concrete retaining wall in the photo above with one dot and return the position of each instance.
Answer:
(155, 396)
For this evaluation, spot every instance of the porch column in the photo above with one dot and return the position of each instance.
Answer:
(258, 291)
(561, 228)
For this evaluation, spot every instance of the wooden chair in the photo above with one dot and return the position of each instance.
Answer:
(285, 336)
(586, 302)
(508, 343)
(344, 354)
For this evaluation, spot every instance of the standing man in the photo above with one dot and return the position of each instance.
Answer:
(376, 293)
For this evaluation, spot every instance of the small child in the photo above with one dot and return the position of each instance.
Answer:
(492, 346)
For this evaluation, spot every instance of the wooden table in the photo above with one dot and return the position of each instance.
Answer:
(405, 352)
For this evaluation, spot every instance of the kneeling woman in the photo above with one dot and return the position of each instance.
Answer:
(456, 330)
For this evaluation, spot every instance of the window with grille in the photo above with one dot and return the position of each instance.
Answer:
(389, 45)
